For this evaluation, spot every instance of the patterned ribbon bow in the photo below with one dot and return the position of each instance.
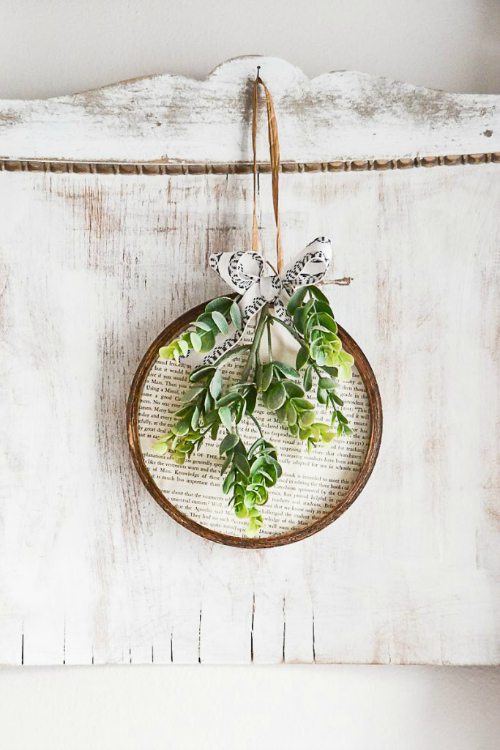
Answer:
(243, 271)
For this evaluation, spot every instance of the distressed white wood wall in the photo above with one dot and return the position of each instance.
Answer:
(93, 266)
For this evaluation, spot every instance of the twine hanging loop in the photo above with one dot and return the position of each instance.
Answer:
(274, 152)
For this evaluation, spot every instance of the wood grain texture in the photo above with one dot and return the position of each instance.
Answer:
(93, 266)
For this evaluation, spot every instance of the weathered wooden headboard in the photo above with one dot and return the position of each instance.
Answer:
(103, 197)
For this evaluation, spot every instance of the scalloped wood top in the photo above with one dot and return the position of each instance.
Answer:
(336, 118)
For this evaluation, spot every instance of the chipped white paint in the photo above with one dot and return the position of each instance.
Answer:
(93, 268)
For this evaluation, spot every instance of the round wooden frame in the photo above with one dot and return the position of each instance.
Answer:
(173, 331)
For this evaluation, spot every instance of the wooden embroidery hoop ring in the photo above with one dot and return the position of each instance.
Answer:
(179, 326)
(375, 405)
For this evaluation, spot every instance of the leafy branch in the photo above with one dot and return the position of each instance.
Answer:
(208, 407)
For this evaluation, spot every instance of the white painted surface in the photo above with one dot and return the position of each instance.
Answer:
(449, 45)
(95, 266)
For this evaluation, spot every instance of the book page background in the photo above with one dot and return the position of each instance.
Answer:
(311, 484)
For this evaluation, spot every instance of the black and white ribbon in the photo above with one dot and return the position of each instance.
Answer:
(243, 271)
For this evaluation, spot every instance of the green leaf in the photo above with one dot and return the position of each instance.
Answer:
(241, 511)
(228, 443)
(258, 377)
(327, 384)
(202, 326)
(281, 412)
(308, 378)
(195, 418)
(160, 448)
(302, 357)
(209, 322)
(209, 402)
(167, 352)
(332, 371)
(208, 341)
(320, 358)
(235, 314)
(293, 390)
(229, 398)
(192, 393)
(296, 300)
(200, 373)
(346, 358)
(241, 463)
(341, 418)
(306, 418)
(226, 418)
(220, 304)
(250, 499)
(318, 294)
(345, 372)
(302, 404)
(251, 400)
(267, 375)
(276, 396)
(286, 370)
(253, 527)
(298, 319)
(220, 321)
(322, 396)
(229, 481)
(182, 427)
(216, 385)
(196, 342)
(183, 346)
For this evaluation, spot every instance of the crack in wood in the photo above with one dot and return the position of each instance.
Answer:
(313, 640)
(252, 628)
(172, 646)
(284, 630)
(199, 640)
(22, 649)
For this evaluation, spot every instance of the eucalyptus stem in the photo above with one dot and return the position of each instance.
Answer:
(290, 330)
(252, 355)
(269, 338)
(250, 416)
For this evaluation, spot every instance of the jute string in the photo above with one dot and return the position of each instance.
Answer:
(274, 151)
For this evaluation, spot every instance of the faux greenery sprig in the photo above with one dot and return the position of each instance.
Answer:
(200, 336)
(209, 407)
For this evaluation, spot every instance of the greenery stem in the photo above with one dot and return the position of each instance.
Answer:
(269, 339)
(290, 330)
(250, 416)
(252, 355)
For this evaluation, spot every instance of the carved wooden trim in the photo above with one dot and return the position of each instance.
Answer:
(142, 168)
